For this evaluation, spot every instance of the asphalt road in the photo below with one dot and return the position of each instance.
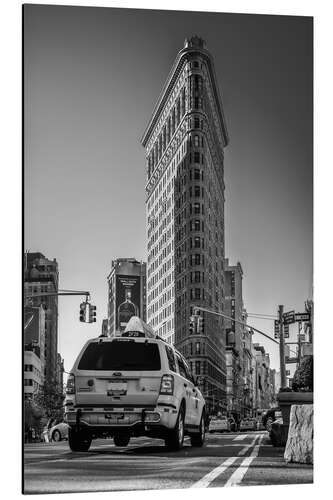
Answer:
(226, 460)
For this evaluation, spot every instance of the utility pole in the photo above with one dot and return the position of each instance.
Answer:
(282, 351)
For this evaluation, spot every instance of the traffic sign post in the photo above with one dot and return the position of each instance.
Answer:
(282, 353)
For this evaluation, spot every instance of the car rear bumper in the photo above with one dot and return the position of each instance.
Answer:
(122, 418)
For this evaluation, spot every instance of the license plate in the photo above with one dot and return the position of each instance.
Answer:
(117, 388)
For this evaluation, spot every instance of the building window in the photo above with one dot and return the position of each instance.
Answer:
(197, 208)
(197, 192)
(197, 174)
(196, 123)
(197, 276)
(196, 157)
(197, 293)
(196, 141)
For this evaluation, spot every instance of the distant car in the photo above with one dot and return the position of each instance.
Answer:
(271, 416)
(219, 424)
(248, 424)
(59, 432)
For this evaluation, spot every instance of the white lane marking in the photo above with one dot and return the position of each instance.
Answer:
(213, 474)
(239, 473)
(240, 437)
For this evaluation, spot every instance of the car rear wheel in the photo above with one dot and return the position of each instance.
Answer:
(56, 436)
(79, 440)
(121, 439)
(175, 439)
(199, 439)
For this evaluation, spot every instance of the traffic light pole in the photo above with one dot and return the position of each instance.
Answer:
(92, 309)
(198, 308)
(282, 350)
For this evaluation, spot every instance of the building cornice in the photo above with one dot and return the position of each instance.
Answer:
(169, 84)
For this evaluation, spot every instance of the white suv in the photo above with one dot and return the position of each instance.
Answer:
(134, 385)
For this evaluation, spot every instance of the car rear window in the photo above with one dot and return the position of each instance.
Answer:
(120, 355)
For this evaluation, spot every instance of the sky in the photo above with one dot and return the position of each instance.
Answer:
(91, 79)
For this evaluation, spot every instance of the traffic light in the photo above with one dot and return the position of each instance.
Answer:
(92, 314)
(83, 312)
(276, 329)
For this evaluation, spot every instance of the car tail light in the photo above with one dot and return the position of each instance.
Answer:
(167, 384)
(70, 387)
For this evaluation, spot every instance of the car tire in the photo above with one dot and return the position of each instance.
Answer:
(56, 436)
(79, 440)
(121, 439)
(175, 438)
(199, 439)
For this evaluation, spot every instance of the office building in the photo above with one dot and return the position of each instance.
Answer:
(239, 345)
(126, 293)
(40, 277)
(184, 142)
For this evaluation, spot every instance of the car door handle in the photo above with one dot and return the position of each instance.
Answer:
(185, 385)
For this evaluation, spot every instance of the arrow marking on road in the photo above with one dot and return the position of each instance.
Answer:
(213, 474)
(239, 473)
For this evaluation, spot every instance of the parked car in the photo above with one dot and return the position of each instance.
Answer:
(133, 385)
(271, 416)
(248, 424)
(59, 432)
(219, 424)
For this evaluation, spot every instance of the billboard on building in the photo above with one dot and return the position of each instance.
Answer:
(128, 300)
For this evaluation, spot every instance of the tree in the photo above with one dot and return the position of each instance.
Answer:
(303, 377)
(50, 398)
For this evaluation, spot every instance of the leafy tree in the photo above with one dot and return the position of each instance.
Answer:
(303, 377)
(51, 397)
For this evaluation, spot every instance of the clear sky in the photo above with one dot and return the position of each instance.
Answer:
(91, 79)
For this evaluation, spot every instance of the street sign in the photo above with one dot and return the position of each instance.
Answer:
(286, 331)
(302, 317)
(276, 329)
(289, 317)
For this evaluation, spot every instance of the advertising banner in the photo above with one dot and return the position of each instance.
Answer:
(127, 299)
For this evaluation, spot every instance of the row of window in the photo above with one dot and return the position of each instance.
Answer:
(171, 123)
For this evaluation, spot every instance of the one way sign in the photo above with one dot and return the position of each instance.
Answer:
(302, 317)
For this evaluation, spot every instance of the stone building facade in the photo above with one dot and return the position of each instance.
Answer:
(184, 141)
